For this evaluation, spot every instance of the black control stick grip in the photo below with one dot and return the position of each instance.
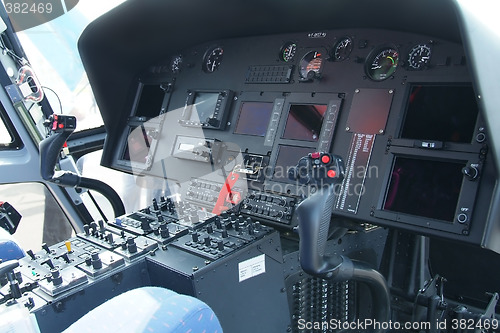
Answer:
(61, 127)
(322, 172)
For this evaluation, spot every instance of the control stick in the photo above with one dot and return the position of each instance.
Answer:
(61, 127)
(322, 172)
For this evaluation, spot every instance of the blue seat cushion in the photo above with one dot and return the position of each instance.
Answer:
(9, 249)
(149, 309)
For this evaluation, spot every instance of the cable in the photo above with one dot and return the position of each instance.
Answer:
(22, 61)
(58, 99)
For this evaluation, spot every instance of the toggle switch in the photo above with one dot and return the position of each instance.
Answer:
(46, 248)
(68, 246)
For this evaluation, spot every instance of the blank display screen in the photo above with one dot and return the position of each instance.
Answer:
(441, 113)
(150, 101)
(427, 188)
(254, 118)
(288, 156)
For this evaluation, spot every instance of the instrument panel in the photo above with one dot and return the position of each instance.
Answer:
(400, 109)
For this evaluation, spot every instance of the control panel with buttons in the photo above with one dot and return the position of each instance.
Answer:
(271, 207)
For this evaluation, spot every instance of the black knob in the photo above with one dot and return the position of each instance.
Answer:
(56, 276)
(207, 241)
(210, 229)
(218, 223)
(88, 261)
(155, 204)
(213, 122)
(224, 233)
(471, 172)
(220, 245)
(131, 245)
(164, 232)
(96, 261)
(278, 214)
(101, 225)
(145, 225)
(195, 236)
(251, 230)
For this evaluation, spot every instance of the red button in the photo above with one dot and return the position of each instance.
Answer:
(332, 173)
(315, 155)
(325, 159)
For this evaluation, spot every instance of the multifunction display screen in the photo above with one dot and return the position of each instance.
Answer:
(254, 118)
(304, 122)
(440, 113)
(426, 188)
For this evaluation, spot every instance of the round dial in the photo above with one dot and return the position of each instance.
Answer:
(287, 52)
(419, 56)
(382, 63)
(176, 64)
(310, 65)
(342, 49)
(212, 59)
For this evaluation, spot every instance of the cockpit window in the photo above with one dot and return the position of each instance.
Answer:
(5, 137)
(52, 52)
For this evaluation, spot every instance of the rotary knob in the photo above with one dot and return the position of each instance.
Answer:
(471, 172)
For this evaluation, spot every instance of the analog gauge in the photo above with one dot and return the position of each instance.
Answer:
(212, 59)
(287, 52)
(382, 63)
(176, 64)
(310, 65)
(419, 56)
(342, 49)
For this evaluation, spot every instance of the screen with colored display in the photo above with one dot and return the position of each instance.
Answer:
(205, 105)
(304, 122)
